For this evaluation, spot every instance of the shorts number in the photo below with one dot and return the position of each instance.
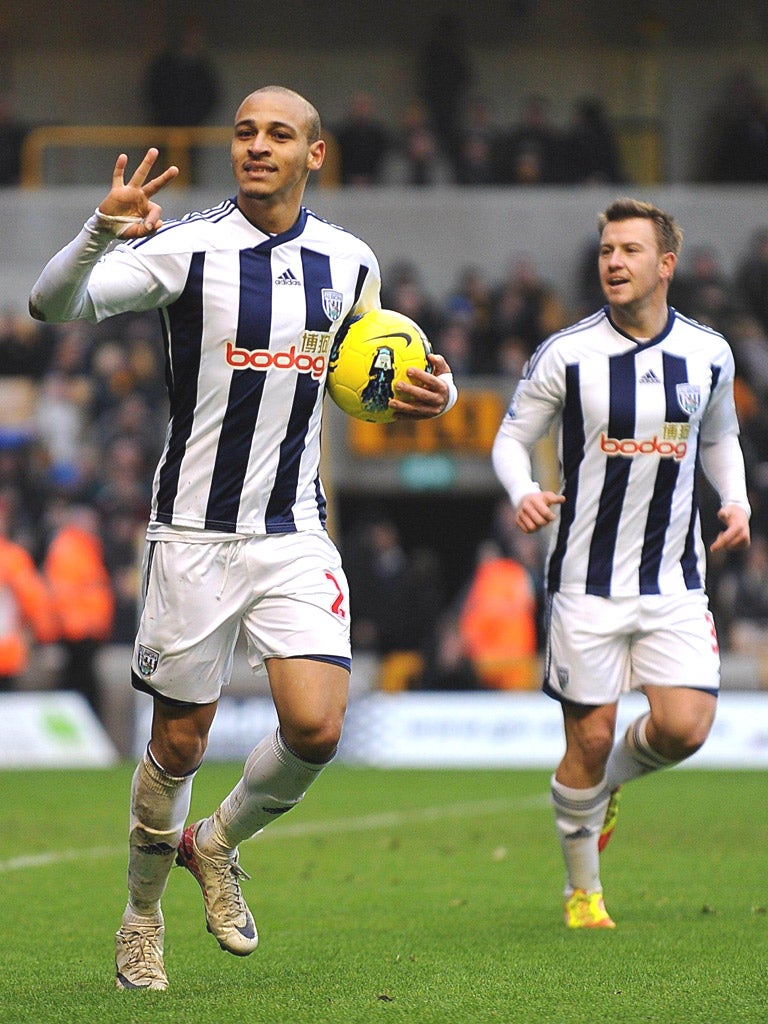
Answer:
(339, 601)
(713, 632)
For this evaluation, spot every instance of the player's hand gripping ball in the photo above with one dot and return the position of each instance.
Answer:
(370, 353)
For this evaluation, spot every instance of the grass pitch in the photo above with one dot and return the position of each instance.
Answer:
(399, 896)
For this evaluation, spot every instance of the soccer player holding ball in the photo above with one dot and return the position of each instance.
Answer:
(250, 295)
(641, 395)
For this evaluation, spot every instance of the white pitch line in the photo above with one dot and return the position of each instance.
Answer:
(364, 823)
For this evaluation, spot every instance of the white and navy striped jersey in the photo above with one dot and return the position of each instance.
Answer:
(248, 319)
(633, 421)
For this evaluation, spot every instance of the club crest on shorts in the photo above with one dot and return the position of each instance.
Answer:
(688, 397)
(332, 303)
(562, 678)
(148, 660)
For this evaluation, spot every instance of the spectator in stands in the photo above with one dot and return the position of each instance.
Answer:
(363, 143)
(111, 379)
(126, 481)
(416, 157)
(12, 135)
(27, 612)
(61, 422)
(752, 411)
(702, 289)
(476, 159)
(526, 306)
(589, 295)
(444, 74)
(454, 341)
(739, 126)
(378, 575)
(25, 348)
(749, 341)
(497, 623)
(22, 469)
(123, 537)
(751, 279)
(181, 86)
(590, 149)
(531, 153)
(397, 595)
(468, 304)
(145, 363)
(447, 665)
(65, 397)
(743, 600)
(82, 595)
(405, 292)
(511, 355)
(469, 298)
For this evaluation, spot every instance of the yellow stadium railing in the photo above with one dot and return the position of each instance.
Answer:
(176, 145)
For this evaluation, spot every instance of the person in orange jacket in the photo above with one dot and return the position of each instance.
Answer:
(497, 622)
(83, 597)
(26, 608)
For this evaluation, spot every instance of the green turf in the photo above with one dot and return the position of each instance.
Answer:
(394, 896)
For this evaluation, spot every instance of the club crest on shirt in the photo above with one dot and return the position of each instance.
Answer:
(332, 303)
(147, 659)
(688, 397)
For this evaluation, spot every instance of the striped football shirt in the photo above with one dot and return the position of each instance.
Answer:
(247, 320)
(631, 419)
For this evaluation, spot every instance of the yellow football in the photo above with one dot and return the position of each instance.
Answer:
(370, 353)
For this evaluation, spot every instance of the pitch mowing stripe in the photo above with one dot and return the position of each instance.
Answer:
(365, 823)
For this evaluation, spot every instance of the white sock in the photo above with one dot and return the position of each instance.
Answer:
(159, 808)
(274, 780)
(579, 817)
(632, 756)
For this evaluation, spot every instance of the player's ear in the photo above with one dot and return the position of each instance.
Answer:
(316, 155)
(668, 264)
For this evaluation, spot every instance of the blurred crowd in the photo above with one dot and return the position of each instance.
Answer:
(449, 132)
(83, 413)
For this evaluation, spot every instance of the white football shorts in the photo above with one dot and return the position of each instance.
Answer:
(599, 648)
(288, 591)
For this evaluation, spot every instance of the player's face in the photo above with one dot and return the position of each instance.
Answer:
(271, 153)
(632, 270)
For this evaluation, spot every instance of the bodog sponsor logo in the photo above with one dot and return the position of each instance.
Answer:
(262, 359)
(629, 447)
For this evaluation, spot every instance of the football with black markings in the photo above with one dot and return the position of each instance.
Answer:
(370, 353)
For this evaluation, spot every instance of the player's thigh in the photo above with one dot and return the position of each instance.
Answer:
(310, 697)
(195, 594)
(676, 645)
(303, 606)
(682, 715)
(588, 648)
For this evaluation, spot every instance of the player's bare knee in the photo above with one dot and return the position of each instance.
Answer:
(314, 741)
(594, 749)
(178, 753)
(679, 736)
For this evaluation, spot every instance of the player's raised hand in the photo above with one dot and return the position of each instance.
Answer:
(128, 209)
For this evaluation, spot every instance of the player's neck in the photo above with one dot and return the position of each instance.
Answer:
(270, 217)
(641, 322)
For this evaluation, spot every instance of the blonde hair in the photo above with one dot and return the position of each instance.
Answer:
(668, 235)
